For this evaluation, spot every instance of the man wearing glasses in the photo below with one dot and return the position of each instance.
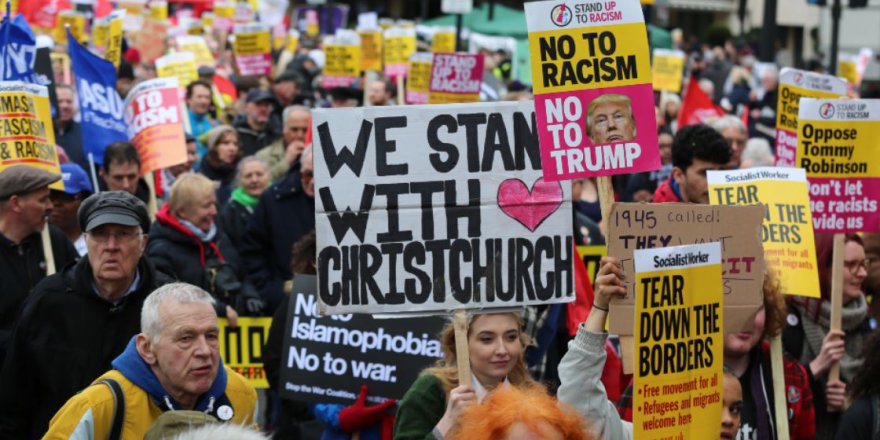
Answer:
(281, 154)
(735, 133)
(74, 323)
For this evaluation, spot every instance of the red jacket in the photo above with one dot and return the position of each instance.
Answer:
(665, 193)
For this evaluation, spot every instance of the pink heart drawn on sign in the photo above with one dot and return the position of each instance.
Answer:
(529, 207)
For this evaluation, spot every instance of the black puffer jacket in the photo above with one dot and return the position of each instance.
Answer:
(66, 337)
(233, 220)
(178, 253)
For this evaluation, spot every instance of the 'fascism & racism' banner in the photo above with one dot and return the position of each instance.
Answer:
(26, 135)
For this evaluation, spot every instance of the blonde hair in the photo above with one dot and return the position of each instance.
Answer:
(188, 189)
(609, 98)
(446, 369)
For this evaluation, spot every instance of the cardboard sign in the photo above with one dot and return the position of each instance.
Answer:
(371, 49)
(27, 136)
(328, 358)
(155, 125)
(456, 77)
(646, 225)
(180, 65)
(241, 348)
(668, 70)
(593, 92)
(837, 146)
(787, 232)
(443, 40)
(419, 79)
(76, 21)
(198, 47)
(342, 63)
(795, 84)
(679, 344)
(150, 40)
(253, 49)
(436, 208)
(399, 44)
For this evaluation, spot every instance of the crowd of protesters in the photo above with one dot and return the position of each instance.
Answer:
(229, 218)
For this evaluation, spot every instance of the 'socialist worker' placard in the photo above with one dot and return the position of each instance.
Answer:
(795, 84)
(439, 211)
(679, 344)
(837, 146)
(787, 230)
(593, 93)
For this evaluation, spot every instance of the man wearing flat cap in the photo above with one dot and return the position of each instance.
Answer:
(77, 321)
(254, 127)
(24, 206)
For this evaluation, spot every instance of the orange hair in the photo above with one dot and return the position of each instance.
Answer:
(530, 406)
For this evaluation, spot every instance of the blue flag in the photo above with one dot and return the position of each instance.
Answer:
(19, 48)
(100, 106)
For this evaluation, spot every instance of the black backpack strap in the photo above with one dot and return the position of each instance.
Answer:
(875, 417)
(118, 408)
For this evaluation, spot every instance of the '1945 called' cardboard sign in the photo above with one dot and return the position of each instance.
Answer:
(634, 226)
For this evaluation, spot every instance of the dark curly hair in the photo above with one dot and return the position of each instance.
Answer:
(699, 142)
(865, 382)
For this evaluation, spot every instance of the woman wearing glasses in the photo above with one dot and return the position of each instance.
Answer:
(810, 339)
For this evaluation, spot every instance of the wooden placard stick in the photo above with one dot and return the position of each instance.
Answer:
(401, 93)
(48, 255)
(778, 369)
(836, 296)
(462, 356)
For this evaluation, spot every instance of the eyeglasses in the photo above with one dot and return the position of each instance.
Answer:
(307, 173)
(103, 236)
(854, 265)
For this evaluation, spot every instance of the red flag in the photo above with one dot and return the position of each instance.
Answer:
(697, 108)
(42, 13)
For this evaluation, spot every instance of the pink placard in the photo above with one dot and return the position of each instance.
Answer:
(845, 205)
(456, 73)
(623, 121)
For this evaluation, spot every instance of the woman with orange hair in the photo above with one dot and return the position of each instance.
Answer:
(519, 413)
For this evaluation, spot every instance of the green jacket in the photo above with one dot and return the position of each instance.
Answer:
(420, 410)
(273, 154)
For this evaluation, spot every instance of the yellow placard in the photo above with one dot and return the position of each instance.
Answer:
(242, 348)
(679, 345)
(342, 60)
(253, 43)
(292, 41)
(847, 69)
(419, 75)
(398, 49)
(566, 64)
(27, 136)
(100, 33)
(77, 23)
(224, 10)
(180, 65)
(443, 41)
(787, 231)
(114, 41)
(371, 49)
(592, 257)
(667, 70)
(159, 11)
(198, 47)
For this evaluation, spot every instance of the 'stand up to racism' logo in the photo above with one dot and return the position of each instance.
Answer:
(798, 78)
(826, 111)
(561, 15)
